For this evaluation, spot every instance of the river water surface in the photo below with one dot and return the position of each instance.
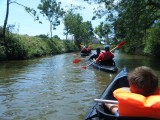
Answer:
(53, 88)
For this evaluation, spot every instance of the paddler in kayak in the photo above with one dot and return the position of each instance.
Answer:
(141, 99)
(106, 57)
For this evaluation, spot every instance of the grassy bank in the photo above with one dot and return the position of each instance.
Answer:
(21, 47)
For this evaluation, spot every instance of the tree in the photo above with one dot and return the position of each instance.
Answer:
(6, 28)
(68, 20)
(74, 25)
(29, 10)
(6, 19)
(56, 37)
(103, 30)
(87, 32)
(69, 17)
(131, 19)
(53, 11)
(135, 17)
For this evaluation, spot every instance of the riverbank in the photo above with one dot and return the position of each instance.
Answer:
(20, 47)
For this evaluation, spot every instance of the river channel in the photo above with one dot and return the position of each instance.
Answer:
(53, 88)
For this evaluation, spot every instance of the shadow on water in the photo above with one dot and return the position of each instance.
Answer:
(132, 61)
(54, 88)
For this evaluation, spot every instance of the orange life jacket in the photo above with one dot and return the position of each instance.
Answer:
(132, 104)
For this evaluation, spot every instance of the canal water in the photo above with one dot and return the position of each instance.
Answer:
(54, 88)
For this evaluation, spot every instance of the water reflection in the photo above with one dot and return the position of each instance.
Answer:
(55, 88)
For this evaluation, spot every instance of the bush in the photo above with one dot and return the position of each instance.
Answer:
(24, 47)
(152, 42)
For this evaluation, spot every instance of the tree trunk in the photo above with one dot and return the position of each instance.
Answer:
(6, 19)
(51, 29)
(66, 36)
(4, 28)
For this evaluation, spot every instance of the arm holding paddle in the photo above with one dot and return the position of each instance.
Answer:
(106, 101)
(113, 108)
(110, 104)
(89, 64)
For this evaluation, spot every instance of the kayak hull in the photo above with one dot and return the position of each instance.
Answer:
(106, 68)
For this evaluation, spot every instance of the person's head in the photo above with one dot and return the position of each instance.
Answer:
(143, 80)
(106, 48)
(98, 50)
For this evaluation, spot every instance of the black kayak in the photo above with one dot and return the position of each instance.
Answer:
(100, 112)
(106, 68)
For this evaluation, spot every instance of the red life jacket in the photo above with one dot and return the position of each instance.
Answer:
(84, 50)
(105, 56)
(132, 104)
(89, 50)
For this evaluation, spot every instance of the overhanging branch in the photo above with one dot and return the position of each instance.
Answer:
(155, 4)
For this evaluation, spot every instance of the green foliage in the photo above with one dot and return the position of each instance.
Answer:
(25, 47)
(103, 30)
(152, 41)
(72, 23)
(94, 46)
(2, 53)
(42, 36)
(55, 46)
(53, 11)
(135, 17)
(68, 45)
(14, 48)
(82, 31)
(56, 37)
(86, 32)
(131, 19)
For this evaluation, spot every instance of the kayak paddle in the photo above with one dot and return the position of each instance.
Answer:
(77, 60)
(118, 46)
(106, 101)
(88, 65)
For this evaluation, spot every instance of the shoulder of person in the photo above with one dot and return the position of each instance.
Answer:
(122, 90)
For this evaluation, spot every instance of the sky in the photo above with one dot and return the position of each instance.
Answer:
(25, 24)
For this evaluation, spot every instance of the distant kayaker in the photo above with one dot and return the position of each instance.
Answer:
(94, 56)
(88, 49)
(85, 49)
(141, 99)
(106, 57)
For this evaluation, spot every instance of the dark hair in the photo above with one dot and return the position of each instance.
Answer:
(98, 50)
(144, 79)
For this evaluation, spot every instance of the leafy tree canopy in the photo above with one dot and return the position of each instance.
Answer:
(52, 10)
(131, 20)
